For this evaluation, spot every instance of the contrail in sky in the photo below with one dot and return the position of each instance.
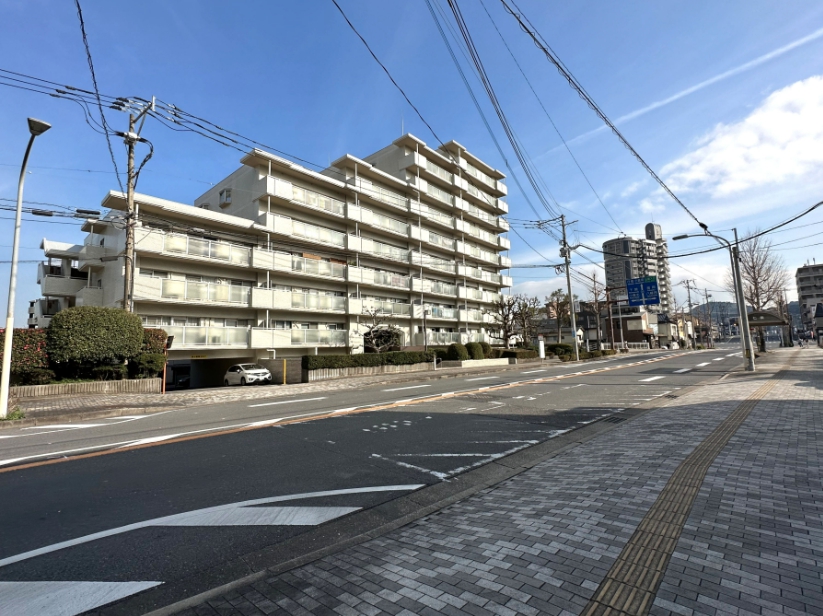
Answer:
(704, 84)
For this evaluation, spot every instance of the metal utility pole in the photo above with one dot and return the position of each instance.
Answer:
(566, 253)
(709, 339)
(745, 331)
(687, 283)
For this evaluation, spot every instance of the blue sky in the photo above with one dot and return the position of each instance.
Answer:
(739, 133)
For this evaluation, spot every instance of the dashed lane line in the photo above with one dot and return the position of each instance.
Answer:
(651, 378)
(703, 364)
(409, 387)
(682, 370)
(251, 406)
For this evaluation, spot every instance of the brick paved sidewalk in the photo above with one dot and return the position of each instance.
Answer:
(543, 541)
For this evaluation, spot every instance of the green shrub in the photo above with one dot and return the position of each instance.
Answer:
(564, 357)
(609, 352)
(487, 349)
(457, 352)
(109, 372)
(147, 365)
(596, 354)
(560, 349)
(154, 340)
(584, 354)
(475, 350)
(520, 353)
(439, 352)
(93, 336)
(28, 349)
(397, 358)
(35, 376)
(699, 347)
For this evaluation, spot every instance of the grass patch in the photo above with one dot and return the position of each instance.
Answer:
(15, 414)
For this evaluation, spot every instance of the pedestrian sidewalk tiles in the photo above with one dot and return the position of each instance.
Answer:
(553, 539)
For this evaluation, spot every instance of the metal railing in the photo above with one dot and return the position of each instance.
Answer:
(319, 234)
(442, 337)
(318, 267)
(320, 337)
(187, 335)
(473, 293)
(626, 345)
(379, 220)
(317, 200)
(391, 279)
(479, 253)
(312, 301)
(444, 265)
(482, 275)
(481, 234)
(384, 307)
(390, 252)
(475, 211)
(433, 215)
(440, 312)
(473, 190)
(204, 291)
(440, 240)
(475, 315)
(440, 194)
(443, 288)
(376, 191)
(476, 173)
(438, 171)
(211, 249)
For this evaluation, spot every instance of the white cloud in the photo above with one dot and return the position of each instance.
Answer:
(781, 141)
(632, 188)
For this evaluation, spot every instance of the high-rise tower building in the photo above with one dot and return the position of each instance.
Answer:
(628, 257)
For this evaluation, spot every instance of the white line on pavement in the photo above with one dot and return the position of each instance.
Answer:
(651, 378)
(65, 426)
(682, 370)
(251, 406)
(173, 519)
(482, 378)
(718, 359)
(65, 598)
(410, 387)
(703, 364)
(532, 371)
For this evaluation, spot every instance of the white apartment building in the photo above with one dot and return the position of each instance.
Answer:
(627, 257)
(279, 261)
(809, 280)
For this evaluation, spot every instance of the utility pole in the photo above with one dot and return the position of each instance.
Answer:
(566, 253)
(745, 330)
(687, 283)
(709, 341)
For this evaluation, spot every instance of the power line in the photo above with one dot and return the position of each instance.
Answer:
(541, 44)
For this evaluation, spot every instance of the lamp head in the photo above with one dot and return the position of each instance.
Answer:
(38, 127)
(679, 237)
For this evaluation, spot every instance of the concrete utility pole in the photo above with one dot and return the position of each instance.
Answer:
(566, 253)
(709, 340)
(687, 283)
(745, 330)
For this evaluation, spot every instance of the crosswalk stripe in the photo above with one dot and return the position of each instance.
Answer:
(64, 598)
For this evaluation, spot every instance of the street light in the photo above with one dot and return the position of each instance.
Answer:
(734, 256)
(36, 128)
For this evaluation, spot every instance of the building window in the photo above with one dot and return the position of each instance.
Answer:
(225, 197)
(281, 324)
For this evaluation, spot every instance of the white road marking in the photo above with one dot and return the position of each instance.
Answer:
(733, 354)
(532, 371)
(682, 370)
(65, 426)
(443, 455)
(172, 519)
(251, 406)
(410, 387)
(718, 359)
(482, 378)
(703, 364)
(351, 408)
(153, 439)
(64, 598)
(651, 378)
(266, 422)
(264, 516)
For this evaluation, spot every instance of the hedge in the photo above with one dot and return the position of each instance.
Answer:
(397, 358)
(87, 335)
(154, 341)
(560, 349)
(457, 352)
(487, 349)
(28, 350)
(475, 350)
(147, 365)
(520, 353)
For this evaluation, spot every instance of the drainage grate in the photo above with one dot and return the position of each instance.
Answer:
(613, 419)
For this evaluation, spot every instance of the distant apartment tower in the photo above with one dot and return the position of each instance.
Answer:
(628, 257)
(809, 279)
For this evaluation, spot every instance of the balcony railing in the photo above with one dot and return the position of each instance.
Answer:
(375, 191)
(443, 337)
(438, 171)
(310, 301)
(390, 252)
(476, 192)
(479, 253)
(317, 200)
(481, 234)
(471, 293)
(478, 213)
(439, 312)
(441, 240)
(476, 173)
(475, 315)
(187, 335)
(198, 247)
(320, 337)
(204, 291)
(391, 279)
(440, 194)
(318, 234)
(385, 222)
(318, 267)
(442, 288)
(475, 272)
(444, 265)
(395, 308)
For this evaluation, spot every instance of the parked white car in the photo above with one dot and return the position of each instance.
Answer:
(246, 374)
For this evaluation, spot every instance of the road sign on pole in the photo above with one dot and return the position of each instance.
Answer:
(643, 291)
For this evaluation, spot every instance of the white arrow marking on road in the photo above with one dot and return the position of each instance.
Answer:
(411, 387)
(651, 378)
(251, 406)
(682, 370)
(703, 364)
(63, 598)
(172, 519)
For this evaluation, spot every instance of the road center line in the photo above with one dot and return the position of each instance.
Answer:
(532, 371)
(651, 378)
(718, 359)
(251, 406)
(410, 387)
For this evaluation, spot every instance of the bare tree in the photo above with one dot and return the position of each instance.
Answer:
(380, 336)
(503, 312)
(526, 313)
(557, 308)
(763, 274)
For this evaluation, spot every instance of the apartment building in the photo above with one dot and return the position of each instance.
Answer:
(809, 280)
(627, 257)
(279, 261)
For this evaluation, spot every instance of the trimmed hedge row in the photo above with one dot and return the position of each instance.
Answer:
(28, 350)
(475, 350)
(519, 353)
(457, 352)
(397, 358)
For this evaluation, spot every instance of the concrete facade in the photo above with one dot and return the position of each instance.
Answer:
(279, 261)
(809, 280)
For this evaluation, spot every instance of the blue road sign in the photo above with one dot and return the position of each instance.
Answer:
(642, 291)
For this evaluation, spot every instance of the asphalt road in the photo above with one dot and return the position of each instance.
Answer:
(101, 510)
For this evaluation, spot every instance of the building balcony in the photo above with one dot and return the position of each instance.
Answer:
(475, 232)
(368, 305)
(375, 219)
(378, 249)
(478, 274)
(194, 337)
(471, 250)
(431, 214)
(430, 237)
(262, 338)
(59, 286)
(434, 287)
(474, 316)
(299, 196)
(503, 224)
(168, 289)
(265, 299)
(283, 225)
(364, 275)
(89, 296)
(277, 261)
(379, 193)
(505, 262)
(504, 243)
(432, 262)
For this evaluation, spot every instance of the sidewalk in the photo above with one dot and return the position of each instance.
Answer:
(617, 525)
